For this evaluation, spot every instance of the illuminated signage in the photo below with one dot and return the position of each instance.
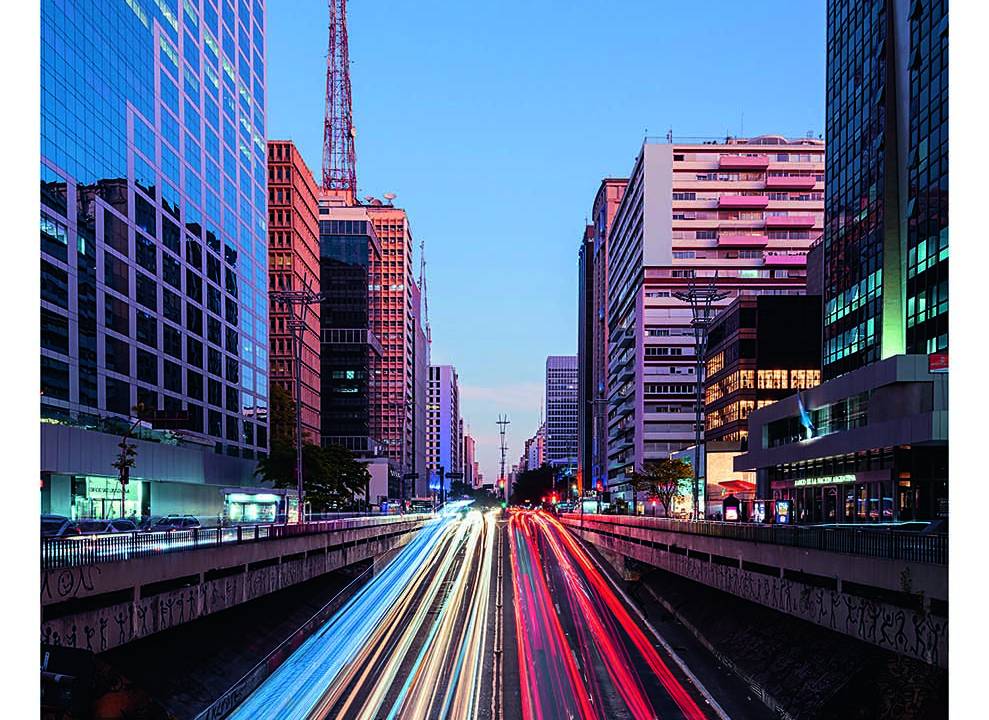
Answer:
(731, 512)
(826, 480)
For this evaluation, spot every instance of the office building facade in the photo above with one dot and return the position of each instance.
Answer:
(560, 449)
(293, 265)
(760, 349)
(350, 352)
(886, 238)
(444, 443)
(154, 237)
(739, 215)
(585, 352)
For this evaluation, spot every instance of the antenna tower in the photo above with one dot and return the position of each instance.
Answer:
(339, 157)
(422, 287)
(503, 423)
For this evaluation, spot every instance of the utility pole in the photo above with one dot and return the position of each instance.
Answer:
(299, 302)
(503, 423)
(701, 301)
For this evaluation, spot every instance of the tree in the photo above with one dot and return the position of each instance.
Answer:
(281, 416)
(532, 485)
(331, 476)
(663, 478)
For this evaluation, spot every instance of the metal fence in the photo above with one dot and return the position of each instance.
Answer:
(87, 550)
(872, 542)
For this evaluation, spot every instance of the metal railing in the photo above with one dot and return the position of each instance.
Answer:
(88, 550)
(869, 542)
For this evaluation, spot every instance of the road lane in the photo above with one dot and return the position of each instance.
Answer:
(580, 653)
(413, 643)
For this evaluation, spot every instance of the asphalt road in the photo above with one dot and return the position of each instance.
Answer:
(582, 649)
(416, 642)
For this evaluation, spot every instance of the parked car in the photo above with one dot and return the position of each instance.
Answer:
(94, 526)
(123, 525)
(176, 522)
(57, 526)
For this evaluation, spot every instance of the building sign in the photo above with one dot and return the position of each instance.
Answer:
(937, 362)
(825, 480)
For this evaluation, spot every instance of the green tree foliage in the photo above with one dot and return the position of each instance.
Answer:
(662, 479)
(532, 485)
(281, 416)
(331, 476)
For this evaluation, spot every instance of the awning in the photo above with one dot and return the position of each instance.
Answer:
(738, 486)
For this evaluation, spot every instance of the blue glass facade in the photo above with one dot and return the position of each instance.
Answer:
(154, 215)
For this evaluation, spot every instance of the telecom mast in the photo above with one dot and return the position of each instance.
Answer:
(339, 157)
(503, 423)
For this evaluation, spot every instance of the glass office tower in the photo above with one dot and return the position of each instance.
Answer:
(153, 239)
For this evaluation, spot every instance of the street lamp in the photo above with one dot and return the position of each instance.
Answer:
(300, 299)
(701, 301)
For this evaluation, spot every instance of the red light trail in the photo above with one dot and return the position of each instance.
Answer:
(606, 665)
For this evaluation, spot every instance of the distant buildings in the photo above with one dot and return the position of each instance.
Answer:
(561, 411)
(293, 264)
(444, 443)
(870, 444)
(739, 214)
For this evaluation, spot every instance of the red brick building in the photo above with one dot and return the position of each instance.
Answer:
(293, 264)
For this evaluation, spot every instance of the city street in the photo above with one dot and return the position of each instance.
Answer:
(413, 643)
(580, 652)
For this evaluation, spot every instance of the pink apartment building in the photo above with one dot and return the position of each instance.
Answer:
(741, 214)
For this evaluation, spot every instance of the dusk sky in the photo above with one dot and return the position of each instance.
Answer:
(494, 122)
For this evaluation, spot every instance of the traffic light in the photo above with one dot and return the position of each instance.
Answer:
(124, 475)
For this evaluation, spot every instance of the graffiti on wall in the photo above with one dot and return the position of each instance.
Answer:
(910, 632)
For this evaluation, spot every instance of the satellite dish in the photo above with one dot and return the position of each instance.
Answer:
(389, 196)
(368, 198)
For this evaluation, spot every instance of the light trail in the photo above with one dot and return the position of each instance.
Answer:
(410, 644)
(620, 672)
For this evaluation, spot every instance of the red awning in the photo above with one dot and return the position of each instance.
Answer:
(738, 485)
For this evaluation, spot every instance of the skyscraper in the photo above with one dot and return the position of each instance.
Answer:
(561, 410)
(293, 264)
(350, 351)
(585, 353)
(395, 324)
(886, 238)
(740, 214)
(443, 438)
(606, 202)
(154, 250)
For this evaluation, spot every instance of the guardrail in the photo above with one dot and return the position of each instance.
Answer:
(888, 544)
(88, 550)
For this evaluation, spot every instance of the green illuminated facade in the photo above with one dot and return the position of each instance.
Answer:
(886, 229)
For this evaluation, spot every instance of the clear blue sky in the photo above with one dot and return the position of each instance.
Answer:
(494, 122)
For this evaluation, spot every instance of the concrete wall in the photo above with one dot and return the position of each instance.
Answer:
(99, 607)
(865, 599)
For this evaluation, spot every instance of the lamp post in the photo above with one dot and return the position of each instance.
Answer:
(701, 301)
(298, 302)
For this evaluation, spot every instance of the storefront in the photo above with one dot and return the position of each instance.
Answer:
(92, 496)
(266, 506)
(868, 447)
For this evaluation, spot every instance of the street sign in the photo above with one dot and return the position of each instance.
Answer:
(410, 476)
(455, 475)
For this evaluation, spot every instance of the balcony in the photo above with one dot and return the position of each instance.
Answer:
(743, 162)
(790, 221)
(742, 241)
(743, 201)
(785, 259)
(798, 182)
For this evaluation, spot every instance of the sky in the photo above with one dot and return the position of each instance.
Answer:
(494, 122)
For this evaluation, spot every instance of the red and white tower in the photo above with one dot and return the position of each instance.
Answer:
(339, 157)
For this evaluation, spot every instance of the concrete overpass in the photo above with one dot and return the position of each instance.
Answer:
(889, 589)
(104, 592)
